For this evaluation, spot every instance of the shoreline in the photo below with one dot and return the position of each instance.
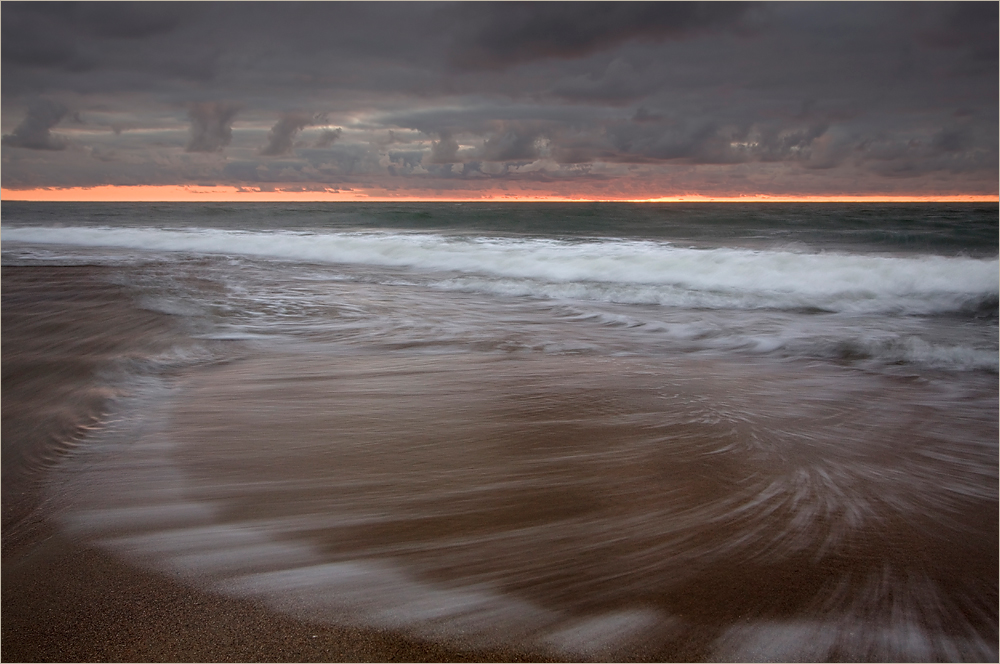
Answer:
(76, 335)
(62, 599)
(57, 342)
(65, 602)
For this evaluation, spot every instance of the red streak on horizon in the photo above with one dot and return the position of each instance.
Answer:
(224, 194)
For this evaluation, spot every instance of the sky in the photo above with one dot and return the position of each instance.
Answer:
(473, 100)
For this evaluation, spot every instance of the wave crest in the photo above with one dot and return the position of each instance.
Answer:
(631, 272)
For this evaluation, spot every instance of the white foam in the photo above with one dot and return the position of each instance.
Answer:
(604, 635)
(268, 559)
(146, 516)
(608, 270)
(849, 639)
(381, 594)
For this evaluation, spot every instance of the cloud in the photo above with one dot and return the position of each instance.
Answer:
(32, 39)
(955, 149)
(211, 126)
(279, 141)
(405, 162)
(34, 131)
(833, 95)
(619, 83)
(90, 37)
(774, 145)
(515, 142)
(649, 138)
(329, 137)
(444, 151)
(129, 20)
(966, 25)
(512, 33)
(952, 139)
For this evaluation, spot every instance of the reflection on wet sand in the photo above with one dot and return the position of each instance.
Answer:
(580, 506)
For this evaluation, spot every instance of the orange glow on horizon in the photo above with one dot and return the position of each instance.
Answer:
(229, 194)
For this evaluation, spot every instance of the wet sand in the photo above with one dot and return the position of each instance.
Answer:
(66, 603)
(57, 338)
(62, 599)
(603, 505)
(677, 510)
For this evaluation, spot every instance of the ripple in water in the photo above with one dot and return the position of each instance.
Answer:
(578, 506)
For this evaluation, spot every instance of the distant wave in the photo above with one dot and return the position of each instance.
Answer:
(639, 272)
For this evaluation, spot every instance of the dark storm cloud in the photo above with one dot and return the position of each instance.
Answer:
(444, 150)
(126, 46)
(647, 139)
(211, 126)
(128, 20)
(514, 142)
(35, 36)
(279, 141)
(864, 92)
(34, 132)
(330, 165)
(58, 34)
(483, 119)
(511, 33)
(620, 82)
(967, 25)
(328, 137)
(957, 149)
(409, 159)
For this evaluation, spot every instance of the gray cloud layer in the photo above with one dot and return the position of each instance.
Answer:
(34, 131)
(785, 96)
(283, 133)
(211, 126)
(512, 33)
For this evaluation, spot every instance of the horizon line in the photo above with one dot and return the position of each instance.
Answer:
(234, 194)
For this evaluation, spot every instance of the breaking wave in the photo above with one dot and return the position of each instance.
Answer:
(630, 272)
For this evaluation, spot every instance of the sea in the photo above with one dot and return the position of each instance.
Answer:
(588, 431)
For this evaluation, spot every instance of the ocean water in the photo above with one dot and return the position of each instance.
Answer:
(592, 431)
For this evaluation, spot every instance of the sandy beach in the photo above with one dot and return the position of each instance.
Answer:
(493, 331)
(210, 459)
(65, 603)
(64, 600)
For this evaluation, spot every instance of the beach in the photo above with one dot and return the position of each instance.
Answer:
(65, 600)
(473, 444)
